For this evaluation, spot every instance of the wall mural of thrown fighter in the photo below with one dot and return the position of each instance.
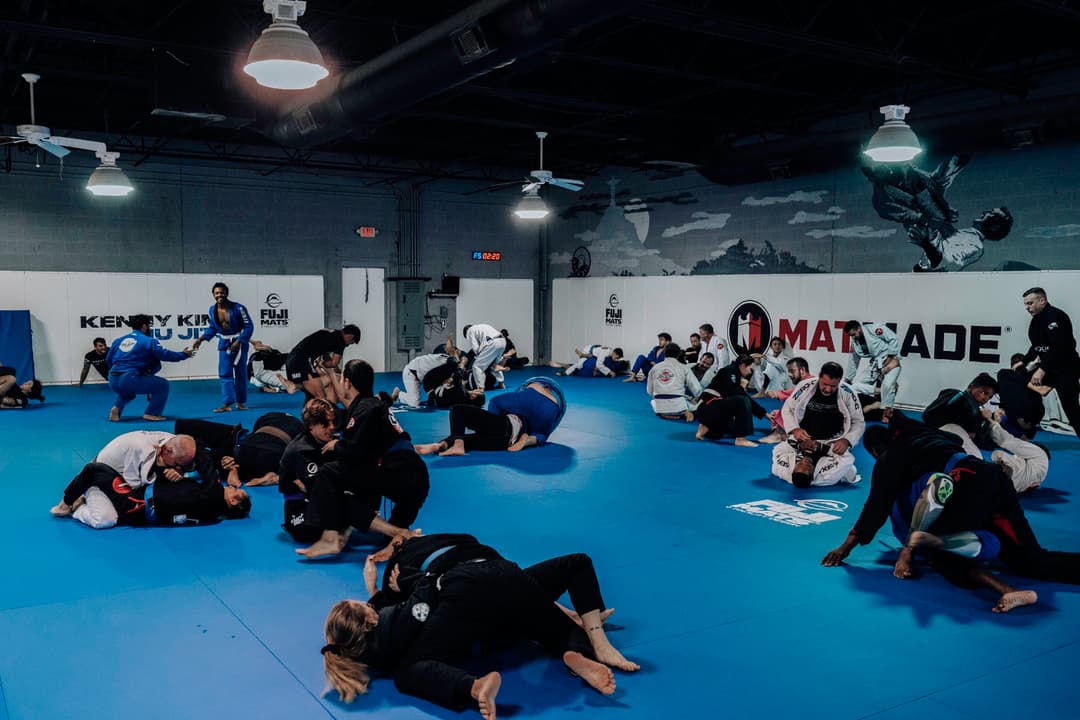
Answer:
(915, 198)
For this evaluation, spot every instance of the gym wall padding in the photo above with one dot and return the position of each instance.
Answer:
(16, 343)
(70, 309)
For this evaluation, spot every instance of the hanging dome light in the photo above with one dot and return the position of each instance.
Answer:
(894, 141)
(109, 180)
(284, 57)
(531, 207)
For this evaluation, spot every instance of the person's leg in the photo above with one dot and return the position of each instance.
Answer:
(83, 481)
(403, 477)
(969, 445)
(834, 469)
(889, 385)
(1068, 390)
(742, 422)
(6, 383)
(240, 375)
(326, 510)
(124, 395)
(783, 461)
(156, 387)
(491, 431)
(411, 391)
(97, 512)
(225, 376)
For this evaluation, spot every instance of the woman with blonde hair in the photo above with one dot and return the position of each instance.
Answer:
(477, 597)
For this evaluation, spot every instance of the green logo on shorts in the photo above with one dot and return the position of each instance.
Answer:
(944, 488)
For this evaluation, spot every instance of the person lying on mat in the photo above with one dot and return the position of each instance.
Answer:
(17, 395)
(513, 421)
(100, 498)
(464, 593)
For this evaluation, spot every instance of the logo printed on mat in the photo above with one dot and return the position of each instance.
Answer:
(785, 514)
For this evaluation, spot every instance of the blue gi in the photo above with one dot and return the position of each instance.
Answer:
(232, 366)
(645, 363)
(539, 414)
(133, 361)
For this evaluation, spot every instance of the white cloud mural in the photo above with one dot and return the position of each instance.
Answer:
(724, 247)
(855, 231)
(829, 215)
(1049, 232)
(701, 221)
(814, 197)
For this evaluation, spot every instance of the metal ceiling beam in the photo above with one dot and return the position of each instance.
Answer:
(782, 38)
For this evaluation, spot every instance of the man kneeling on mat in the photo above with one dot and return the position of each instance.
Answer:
(823, 420)
(458, 593)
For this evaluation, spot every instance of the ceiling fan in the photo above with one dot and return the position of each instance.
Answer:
(543, 177)
(108, 179)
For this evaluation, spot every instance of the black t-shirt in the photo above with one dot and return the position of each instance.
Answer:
(822, 418)
(320, 343)
(1052, 340)
(99, 362)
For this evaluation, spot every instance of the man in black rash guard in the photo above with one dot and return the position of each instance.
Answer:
(305, 362)
(373, 459)
(726, 408)
(1054, 345)
(96, 359)
(300, 468)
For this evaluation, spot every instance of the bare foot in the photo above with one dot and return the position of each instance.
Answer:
(114, 414)
(613, 658)
(395, 394)
(743, 442)
(688, 416)
(702, 431)
(223, 408)
(241, 406)
(429, 448)
(61, 509)
(484, 691)
(598, 676)
(322, 548)
(902, 568)
(1015, 599)
(154, 418)
(458, 448)
(524, 440)
(772, 438)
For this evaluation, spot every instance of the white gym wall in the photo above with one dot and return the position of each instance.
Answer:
(68, 310)
(986, 308)
(502, 304)
(363, 303)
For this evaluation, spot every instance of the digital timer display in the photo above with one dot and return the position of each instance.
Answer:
(488, 255)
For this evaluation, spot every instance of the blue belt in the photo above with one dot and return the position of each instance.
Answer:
(148, 508)
(435, 556)
(295, 496)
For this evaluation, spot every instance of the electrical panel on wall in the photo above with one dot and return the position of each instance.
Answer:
(410, 315)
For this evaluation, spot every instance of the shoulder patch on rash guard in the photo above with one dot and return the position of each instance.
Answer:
(879, 331)
(420, 611)
(1052, 326)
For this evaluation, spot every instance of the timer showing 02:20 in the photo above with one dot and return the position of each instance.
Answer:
(487, 255)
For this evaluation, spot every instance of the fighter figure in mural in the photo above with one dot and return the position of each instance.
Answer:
(915, 198)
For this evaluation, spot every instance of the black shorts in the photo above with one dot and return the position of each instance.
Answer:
(5, 370)
(299, 368)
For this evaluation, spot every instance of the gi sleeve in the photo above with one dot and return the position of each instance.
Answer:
(248, 327)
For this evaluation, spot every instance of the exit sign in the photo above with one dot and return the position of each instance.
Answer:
(367, 231)
(487, 255)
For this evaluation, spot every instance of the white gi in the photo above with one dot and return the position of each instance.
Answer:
(881, 343)
(133, 454)
(774, 367)
(669, 383)
(832, 468)
(601, 353)
(721, 357)
(412, 377)
(1027, 462)
(488, 344)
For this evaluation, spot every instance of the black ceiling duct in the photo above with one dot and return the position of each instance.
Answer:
(475, 41)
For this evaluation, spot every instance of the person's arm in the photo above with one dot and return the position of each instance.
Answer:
(163, 353)
(854, 360)
(85, 371)
(650, 382)
(854, 419)
(693, 385)
(247, 326)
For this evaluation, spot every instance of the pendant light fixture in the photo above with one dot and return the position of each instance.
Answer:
(285, 57)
